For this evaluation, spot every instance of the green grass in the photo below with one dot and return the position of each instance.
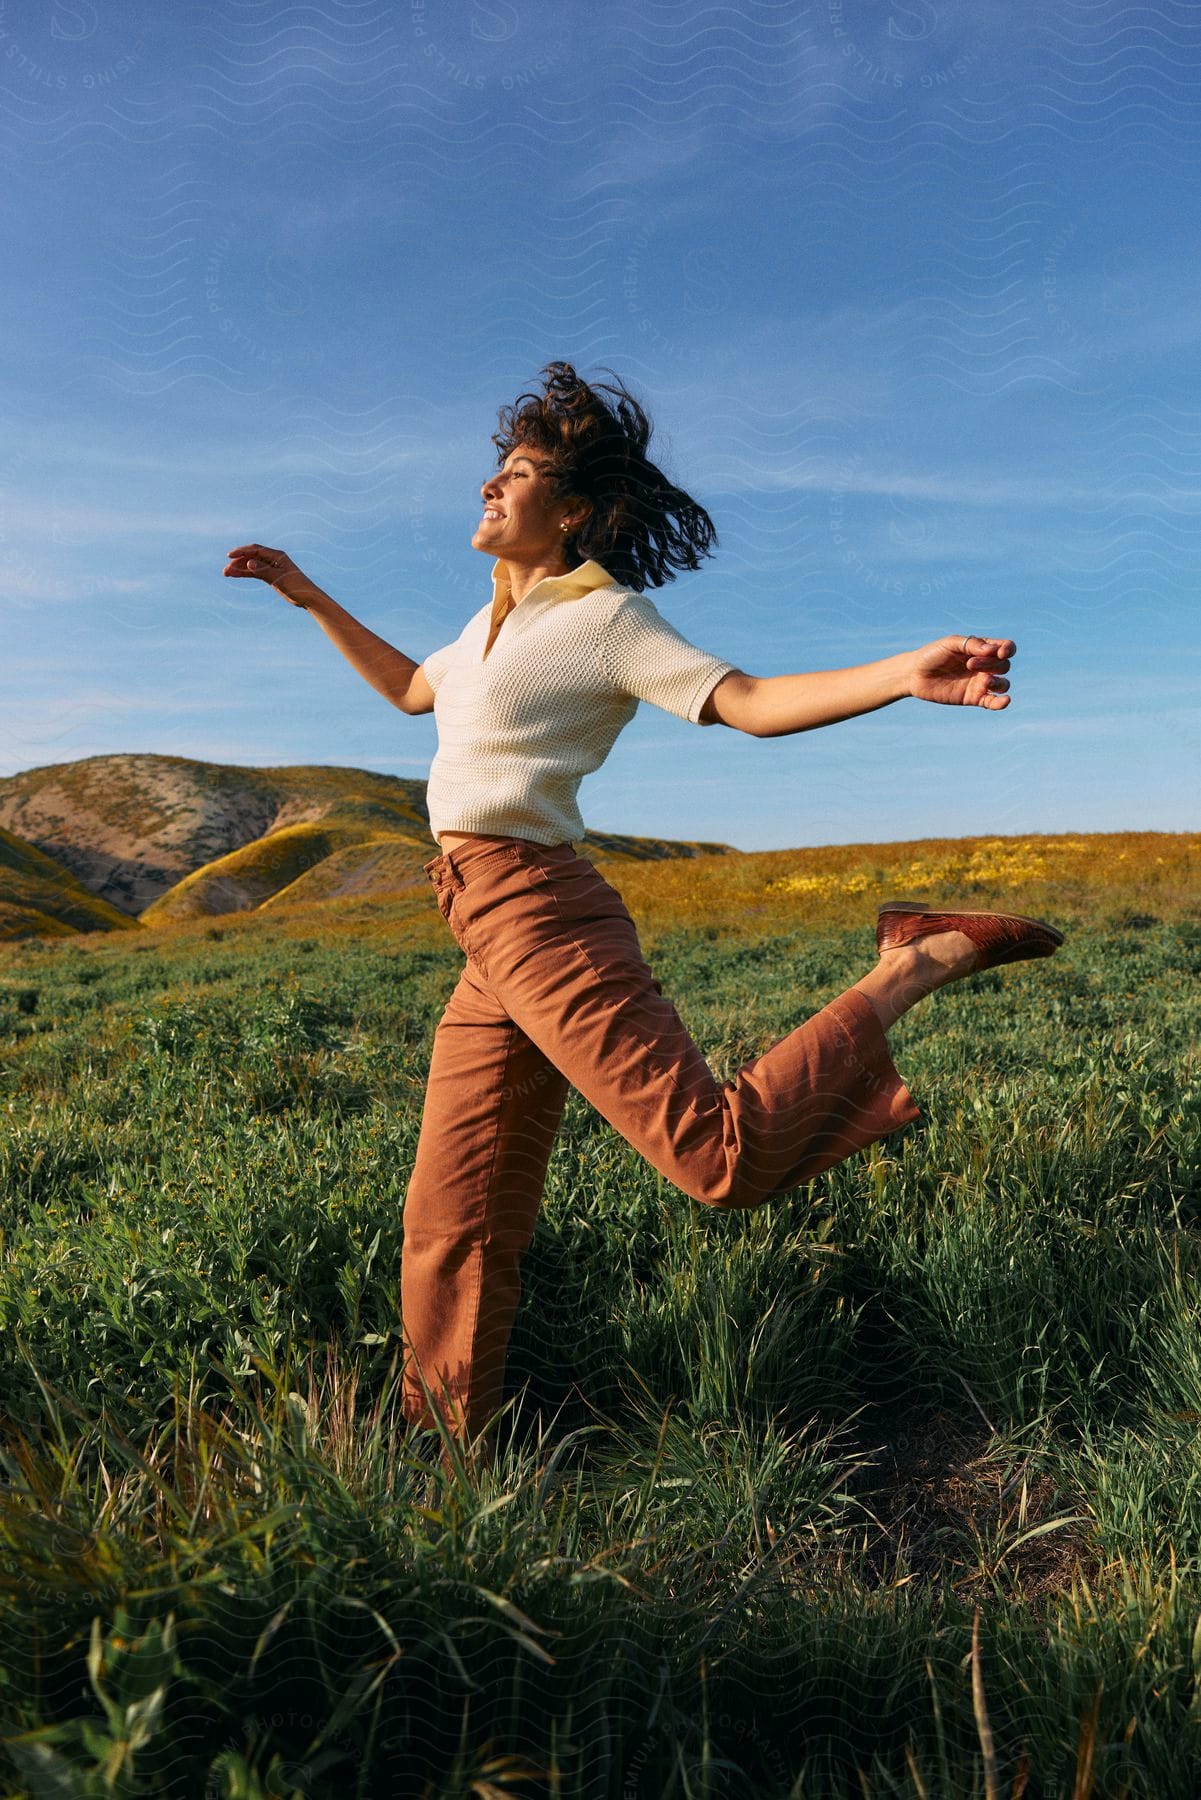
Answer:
(890, 1487)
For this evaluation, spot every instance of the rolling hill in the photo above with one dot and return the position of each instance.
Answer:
(159, 838)
(40, 898)
(374, 867)
(132, 827)
(273, 865)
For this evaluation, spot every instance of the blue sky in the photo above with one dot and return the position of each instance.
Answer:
(909, 290)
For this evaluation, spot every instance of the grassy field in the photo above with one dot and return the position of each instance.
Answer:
(890, 1487)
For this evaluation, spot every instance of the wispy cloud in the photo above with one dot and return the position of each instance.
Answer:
(84, 522)
(32, 586)
(833, 475)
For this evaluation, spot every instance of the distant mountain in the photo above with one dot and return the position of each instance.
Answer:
(131, 827)
(159, 838)
(40, 898)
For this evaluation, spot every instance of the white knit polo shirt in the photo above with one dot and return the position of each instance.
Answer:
(520, 723)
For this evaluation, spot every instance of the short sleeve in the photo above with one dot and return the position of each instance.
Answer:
(646, 657)
(436, 664)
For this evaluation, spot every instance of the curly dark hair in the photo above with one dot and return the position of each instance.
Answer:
(641, 527)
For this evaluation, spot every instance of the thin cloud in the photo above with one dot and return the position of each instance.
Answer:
(833, 476)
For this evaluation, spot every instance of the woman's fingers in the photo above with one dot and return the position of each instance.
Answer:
(261, 553)
(256, 560)
(982, 649)
(1005, 646)
(994, 694)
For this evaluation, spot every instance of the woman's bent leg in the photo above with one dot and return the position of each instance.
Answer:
(563, 960)
(492, 1106)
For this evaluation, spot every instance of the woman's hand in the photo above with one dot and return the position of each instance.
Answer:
(275, 567)
(963, 671)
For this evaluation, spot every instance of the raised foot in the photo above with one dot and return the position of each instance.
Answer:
(934, 960)
(992, 938)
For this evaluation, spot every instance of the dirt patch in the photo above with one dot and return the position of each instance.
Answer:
(952, 1503)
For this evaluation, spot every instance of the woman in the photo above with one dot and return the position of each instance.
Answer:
(528, 699)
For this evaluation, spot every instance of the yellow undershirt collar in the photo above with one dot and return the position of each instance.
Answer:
(571, 586)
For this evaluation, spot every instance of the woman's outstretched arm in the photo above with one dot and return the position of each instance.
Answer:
(952, 671)
(389, 671)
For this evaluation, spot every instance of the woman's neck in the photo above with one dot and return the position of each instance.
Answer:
(521, 577)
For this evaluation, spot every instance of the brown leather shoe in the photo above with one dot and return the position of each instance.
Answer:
(998, 937)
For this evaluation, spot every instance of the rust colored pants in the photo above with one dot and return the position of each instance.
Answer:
(555, 992)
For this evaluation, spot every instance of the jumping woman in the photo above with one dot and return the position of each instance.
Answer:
(528, 699)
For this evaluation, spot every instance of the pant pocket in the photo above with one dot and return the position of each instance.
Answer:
(455, 907)
(446, 896)
(580, 895)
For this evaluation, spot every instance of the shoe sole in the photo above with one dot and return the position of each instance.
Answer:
(964, 912)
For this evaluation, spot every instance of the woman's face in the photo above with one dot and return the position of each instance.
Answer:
(520, 519)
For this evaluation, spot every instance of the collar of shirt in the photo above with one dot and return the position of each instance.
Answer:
(578, 581)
